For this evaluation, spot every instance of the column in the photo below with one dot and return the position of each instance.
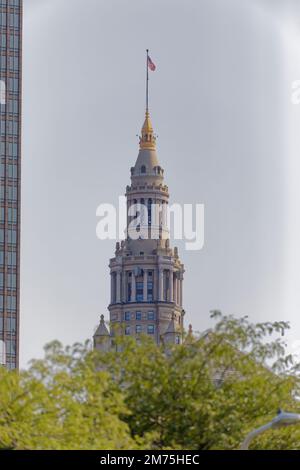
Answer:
(181, 292)
(155, 287)
(161, 284)
(133, 287)
(171, 285)
(112, 297)
(129, 203)
(145, 285)
(155, 221)
(175, 289)
(118, 287)
(124, 288)
(163, 206)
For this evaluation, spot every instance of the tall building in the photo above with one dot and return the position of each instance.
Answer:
(10, 174)
(146, 273)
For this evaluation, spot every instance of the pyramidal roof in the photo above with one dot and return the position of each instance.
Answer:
(102, 329)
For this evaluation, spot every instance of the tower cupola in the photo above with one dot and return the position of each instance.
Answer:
(148, 138)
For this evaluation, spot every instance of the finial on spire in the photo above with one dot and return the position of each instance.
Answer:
(147, 83)
(190, 336)
(148, 139)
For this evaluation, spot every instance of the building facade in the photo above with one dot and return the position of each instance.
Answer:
(10, 174)
(146, 273)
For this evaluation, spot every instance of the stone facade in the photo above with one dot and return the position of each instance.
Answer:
(146, 273)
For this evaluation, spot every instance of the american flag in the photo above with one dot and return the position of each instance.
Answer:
(151, 65)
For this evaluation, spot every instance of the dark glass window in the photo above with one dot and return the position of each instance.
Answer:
(10, 347)
(12, 281)
(127, 316)
(138, 316)
(138, 329)
(151, 316)
(11, 303)
(150, 291)
(139, 291)
(149, 211)
(150, 329)
(129, 292)
(11, 325)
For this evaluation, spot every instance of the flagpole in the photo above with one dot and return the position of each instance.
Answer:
(147, 83)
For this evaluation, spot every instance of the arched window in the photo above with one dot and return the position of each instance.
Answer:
(143, 169)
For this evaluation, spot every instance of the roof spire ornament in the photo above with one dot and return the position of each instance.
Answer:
(148, 139)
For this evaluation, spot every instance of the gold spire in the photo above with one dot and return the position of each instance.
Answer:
(148, 139)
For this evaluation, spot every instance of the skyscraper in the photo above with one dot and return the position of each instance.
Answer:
(10, 173)
(146, 273)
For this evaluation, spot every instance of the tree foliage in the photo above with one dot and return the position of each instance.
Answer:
(205, 394)
(62, 402)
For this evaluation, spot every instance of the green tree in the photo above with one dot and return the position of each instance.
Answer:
(205, 394)
(211, 391)
(62, 402)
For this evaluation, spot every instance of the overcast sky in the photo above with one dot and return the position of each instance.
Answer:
(228, 138)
